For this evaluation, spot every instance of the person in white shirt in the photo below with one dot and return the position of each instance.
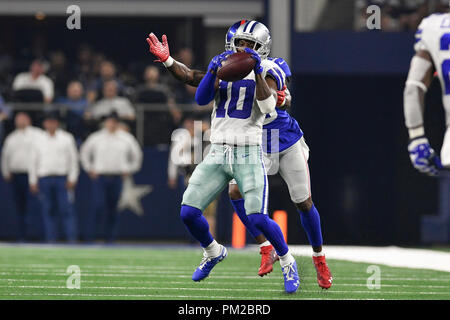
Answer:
(35, 79)
(15, 163)
(111, 102)
(53, 174)
(108, 156)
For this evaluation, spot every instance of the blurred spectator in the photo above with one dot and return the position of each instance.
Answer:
(35, 79)
(111, 102)
(189, 144)
(6, 66)
(396, 15)
(53, 174)
(184, 94)
(59, 72)
(107, 73)
(108, 156)
(15, 163)
(84, 65)
(5, 113)
(158, 123)
(76, 105)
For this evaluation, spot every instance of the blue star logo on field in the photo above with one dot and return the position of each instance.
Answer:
(132, 195)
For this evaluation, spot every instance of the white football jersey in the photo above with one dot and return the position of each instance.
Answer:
(236, 118)
(433, 35)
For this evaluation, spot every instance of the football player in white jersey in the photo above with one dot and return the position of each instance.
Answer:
(432, 53)
(291, 147)
(236, 137)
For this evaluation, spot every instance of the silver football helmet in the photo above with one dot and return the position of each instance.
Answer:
(253, 31)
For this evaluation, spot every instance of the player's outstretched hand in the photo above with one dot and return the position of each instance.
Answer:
(160, 50)
(423, 156)
(216, 62)
(258, 69)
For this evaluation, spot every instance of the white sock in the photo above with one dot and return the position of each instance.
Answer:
(318, 254)
(286, 259)
(265, 244)
(213, 250)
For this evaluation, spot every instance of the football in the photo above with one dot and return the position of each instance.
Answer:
(236, 67)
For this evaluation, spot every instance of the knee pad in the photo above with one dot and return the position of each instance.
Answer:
(189, 213)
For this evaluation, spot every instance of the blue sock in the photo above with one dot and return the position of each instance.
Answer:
(196, 224)
(311, 223)
(238, 206)
(271, 231)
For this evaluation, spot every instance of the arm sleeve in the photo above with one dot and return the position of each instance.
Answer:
(32, 169)
(86, 153)
(74, 168)
(419, 43)
(17, 82)
(172, 168)
(5, 155)
(205, 92)
(48, 89)
(413, 106)
(127, 108)
(277, 76)
(136, 155)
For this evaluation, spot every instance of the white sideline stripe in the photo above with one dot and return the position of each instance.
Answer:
(229, 289)
(215, 282)
(391, 256)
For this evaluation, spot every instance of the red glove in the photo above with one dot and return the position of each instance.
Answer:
(160, 50)
(281, 96)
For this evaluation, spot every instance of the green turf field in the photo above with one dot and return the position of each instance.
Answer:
(39, 272)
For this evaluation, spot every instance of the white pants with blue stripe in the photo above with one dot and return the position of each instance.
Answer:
(292, 164)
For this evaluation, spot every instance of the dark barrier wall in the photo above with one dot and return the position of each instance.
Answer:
(362, 180)
(343, 52)
(348, 98)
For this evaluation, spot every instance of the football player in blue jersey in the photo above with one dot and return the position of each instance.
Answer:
(289, 153)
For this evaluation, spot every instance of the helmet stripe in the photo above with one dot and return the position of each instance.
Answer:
(253, 26)
(248, 25)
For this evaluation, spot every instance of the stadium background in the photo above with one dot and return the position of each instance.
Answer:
(347, 88)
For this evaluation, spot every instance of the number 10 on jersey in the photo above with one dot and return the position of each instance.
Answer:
(236, 101)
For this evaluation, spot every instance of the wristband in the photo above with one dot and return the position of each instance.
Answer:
(267, 105)
(416, 132)
(169, 62)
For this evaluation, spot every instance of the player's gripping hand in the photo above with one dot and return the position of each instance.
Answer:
(158, 49)
(423, 156)
(216, 62)
(281, 97)
(258, 69)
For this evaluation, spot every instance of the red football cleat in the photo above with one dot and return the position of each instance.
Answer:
(324, 277)
(268, 258)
